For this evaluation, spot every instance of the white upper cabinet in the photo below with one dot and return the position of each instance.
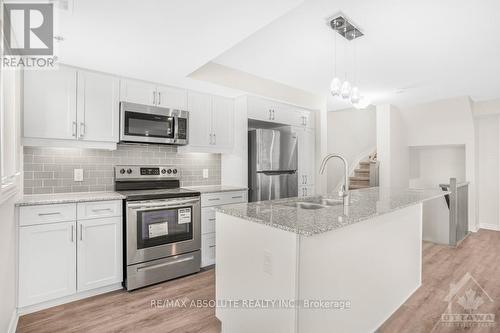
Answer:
(138, 92)
(98, 107)
(47, 262)
(50, 103)
(200, 119)
(99, 252)
(150, 94)
(280, 113)
(173, 98)
(210, 123)
(222, 122)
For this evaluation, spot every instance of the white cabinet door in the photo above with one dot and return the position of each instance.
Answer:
(47, 262)
(99, 252)
(207, 249)
(50, 103)
(222, 122)
(138, 92)
(200, 119)
(259, 109)
(173, 98)
(306, 156)
(98, 102)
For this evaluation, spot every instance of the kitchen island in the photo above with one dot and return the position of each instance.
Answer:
(313, 265)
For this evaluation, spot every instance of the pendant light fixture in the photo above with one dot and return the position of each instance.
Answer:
(345, 89)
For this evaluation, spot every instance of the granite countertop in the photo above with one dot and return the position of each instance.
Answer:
(365, 204)
(215, 188)
(61, 198)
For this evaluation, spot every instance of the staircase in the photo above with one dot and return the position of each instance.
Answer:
(361, 178)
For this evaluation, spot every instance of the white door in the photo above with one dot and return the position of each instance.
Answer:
(50, 103)
(99, 252)
(98, 107)
(138, 92)
(222, 120)
(173, 98)
(259, 109)
(47, 262)
(200, 119)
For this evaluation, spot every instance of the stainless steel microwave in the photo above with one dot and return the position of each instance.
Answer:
(151, 124)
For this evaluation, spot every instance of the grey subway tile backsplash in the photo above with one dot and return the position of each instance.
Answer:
(50, 170)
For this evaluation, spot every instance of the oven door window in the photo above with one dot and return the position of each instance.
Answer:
(164, 226)
(149, 125)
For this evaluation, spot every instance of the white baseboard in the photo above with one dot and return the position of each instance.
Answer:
(488, 226)
(13, 322)
(63, 300)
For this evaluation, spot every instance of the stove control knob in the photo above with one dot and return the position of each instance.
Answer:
(174, 171)
(129, 171)
(122, 171)
(169, 171)
(163, 171)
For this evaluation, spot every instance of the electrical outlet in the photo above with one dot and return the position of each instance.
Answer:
(205, 173)
(78, 175)
(267, 266)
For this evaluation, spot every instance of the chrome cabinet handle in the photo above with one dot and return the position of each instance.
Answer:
(82, 130)
(215, 139)
(47, 214)
(210, 140)
(159, 98)
(101, 210)
(211, 246)
(214, 199)
(270, 114)
(72, 234)
(211, 220)
(74, 129)
(237, 197)
(154, 97)
(81, 232)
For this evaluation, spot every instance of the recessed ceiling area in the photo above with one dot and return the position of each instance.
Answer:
(412, 52)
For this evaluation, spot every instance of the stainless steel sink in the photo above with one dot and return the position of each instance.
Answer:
(304, 205)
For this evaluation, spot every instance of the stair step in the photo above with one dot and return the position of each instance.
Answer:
(363, 171)
(359, 178)
(357, 186)
(364, 163)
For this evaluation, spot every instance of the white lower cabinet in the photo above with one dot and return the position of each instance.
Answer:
(60, 258)
(47, 262)
(208, 202)
(99, 252)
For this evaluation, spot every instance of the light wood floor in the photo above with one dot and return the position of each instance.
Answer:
(121, 311)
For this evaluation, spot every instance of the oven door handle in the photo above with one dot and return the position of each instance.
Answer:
(139, 206)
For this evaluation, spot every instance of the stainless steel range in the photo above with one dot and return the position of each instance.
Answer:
(162, 225)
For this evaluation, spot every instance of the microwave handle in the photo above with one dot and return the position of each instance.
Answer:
(176, 128)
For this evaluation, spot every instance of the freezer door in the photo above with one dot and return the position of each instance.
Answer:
(270, 186)
(276, 150)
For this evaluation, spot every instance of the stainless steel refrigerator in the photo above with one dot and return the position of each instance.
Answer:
(272, 164)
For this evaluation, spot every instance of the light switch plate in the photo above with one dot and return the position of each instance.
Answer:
(205, 173)
(78, 175)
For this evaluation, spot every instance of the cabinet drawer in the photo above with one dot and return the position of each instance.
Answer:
(207, 220)
(32, 215)
(223, 198)
(207, 249)
(99, 209)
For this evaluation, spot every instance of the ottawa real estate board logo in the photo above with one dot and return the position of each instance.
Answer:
(28, 35)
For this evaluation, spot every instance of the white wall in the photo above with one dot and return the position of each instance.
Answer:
(392, 148)
(351, 133)
(446, 123)
(488, 169)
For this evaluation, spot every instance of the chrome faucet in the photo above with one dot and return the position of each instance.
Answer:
(344, 191)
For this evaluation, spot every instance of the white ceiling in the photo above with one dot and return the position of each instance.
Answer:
(413, 51)
(158, 40)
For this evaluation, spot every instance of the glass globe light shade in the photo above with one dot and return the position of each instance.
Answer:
(335, 86)
(345, 90)
(355, 96)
